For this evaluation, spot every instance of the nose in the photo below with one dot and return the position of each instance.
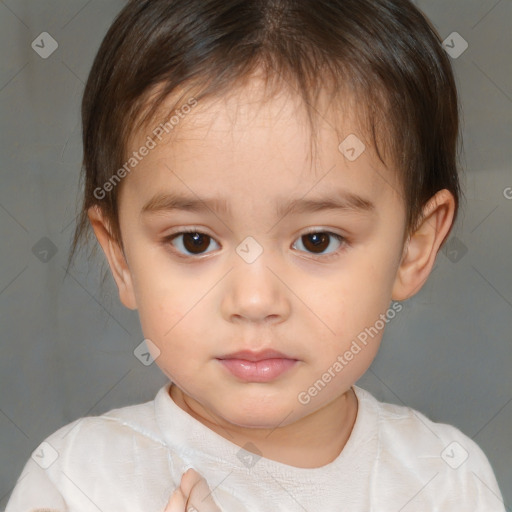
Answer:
(255, 292)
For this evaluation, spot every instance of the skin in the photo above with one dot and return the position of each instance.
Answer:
(193, 495)
(309, 305)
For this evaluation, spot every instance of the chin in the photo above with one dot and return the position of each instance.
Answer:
(257, 423)
(260, 417)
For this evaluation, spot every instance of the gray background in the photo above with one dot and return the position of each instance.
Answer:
(67, 345)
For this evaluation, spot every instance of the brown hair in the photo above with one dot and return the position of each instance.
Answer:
(384, 51)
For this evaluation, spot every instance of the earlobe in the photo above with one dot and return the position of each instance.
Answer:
(421, 248)
(115, 257)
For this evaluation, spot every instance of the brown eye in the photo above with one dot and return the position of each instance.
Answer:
(196, 242)
(319, 241)
(316, 242)
(191, 243)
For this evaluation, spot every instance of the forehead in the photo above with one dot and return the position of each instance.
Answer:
(247, 142)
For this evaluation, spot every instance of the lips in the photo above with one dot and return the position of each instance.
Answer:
(249, 355)
(262, 366)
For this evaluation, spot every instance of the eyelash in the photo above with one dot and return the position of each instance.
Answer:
(334, 254)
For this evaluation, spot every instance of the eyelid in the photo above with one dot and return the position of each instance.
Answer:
(167, 239)
(203, 231)
(325, 256)
(316, 229)
(189, 229)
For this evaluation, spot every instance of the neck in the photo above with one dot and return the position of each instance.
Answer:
(312, 441)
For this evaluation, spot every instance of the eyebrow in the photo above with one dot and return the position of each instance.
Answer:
(343, 201)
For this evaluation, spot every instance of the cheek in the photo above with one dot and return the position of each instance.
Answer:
(361, 295)
(354, 307)
(173, 326)
(165, 302)
(164, 291)
(172, 310)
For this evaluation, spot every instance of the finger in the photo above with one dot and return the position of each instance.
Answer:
(177, 502)
(199, 497)
(190, 478)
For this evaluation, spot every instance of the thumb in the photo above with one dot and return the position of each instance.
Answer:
(176, 502)
(197, 493)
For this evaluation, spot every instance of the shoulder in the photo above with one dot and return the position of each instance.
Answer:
(407, 423)
(415, 452)
(88, 450)
(400, 425)
(115, 427)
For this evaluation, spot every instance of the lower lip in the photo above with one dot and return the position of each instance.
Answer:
(258, 371)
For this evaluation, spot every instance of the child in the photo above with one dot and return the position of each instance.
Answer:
(268, 179)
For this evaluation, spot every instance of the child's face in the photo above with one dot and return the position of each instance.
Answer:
(306, 301)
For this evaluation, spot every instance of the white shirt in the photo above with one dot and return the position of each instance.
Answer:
(132, 459)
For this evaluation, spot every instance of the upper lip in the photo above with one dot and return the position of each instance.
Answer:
(250, 355)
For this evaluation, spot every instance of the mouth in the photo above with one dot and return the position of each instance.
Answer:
(249, 355)
(262, 366)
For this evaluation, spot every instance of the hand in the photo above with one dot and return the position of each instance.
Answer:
(193, 495)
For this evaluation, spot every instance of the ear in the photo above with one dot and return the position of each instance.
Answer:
(115, 256)
(421, 248)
